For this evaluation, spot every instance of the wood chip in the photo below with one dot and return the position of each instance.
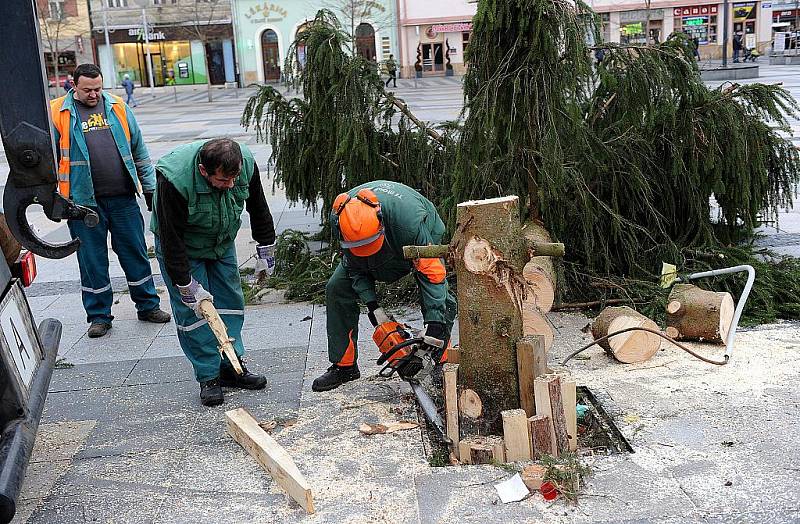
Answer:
(374, 429)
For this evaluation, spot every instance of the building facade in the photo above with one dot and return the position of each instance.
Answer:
(266, 29)
(188, 42)
(66, 37)
(633, 23)
(433, 36)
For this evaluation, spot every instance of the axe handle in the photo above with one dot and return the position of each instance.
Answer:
(218, 327)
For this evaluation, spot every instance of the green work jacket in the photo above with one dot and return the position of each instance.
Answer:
(214, 215)
(408, 219)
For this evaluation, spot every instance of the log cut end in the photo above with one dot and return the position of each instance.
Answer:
(703, 315)
(726, 311)
(469, 404)
(490, 201)
(632, 346)
(541, 286)
(479, 256)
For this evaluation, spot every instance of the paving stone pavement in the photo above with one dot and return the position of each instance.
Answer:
(125, 439)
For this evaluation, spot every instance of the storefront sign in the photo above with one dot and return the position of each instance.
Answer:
(696, 10)
(168, 33)
(266, 12)
(766, 5)
(700, 20)
(744, 11)
(153, 35)
(640, 14)
(461, 27)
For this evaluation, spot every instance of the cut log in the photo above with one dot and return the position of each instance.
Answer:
(559, 419)
(533, 476)
(531, 363)
(534, 322)
(630, 347)
(482, 450)
(540, 430)
(540, 283)
(515, 435)
(451, 403)
(698, 314)
(569, 396)
(245, 430)
(490, 294)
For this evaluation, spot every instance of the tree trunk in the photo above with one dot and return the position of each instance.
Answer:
(490, 252)
(630, 347)
(697, 314)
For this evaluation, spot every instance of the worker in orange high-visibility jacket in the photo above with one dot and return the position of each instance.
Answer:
(103, 163)
(374, 221)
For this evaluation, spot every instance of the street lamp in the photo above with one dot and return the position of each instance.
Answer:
(143, 4)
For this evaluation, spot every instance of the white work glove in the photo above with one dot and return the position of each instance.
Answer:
(192, 294)
(265, 260)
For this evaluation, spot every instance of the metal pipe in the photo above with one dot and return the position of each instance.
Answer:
(149, 58)
(751, 277)
(725, 18)
(109, 52)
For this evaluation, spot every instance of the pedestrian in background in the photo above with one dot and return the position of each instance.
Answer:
(129, 87)
(104, 164)
(737, 47)
(391, 68)
(696, 45)
(68, 83)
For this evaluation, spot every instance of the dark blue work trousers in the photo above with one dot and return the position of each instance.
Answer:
(121, 217)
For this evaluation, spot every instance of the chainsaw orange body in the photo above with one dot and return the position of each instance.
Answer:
(388, 335)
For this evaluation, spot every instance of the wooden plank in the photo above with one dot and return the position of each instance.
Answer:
(542, 399)
(540, 430)
(531, 363)
(515, 435)
(245, 430)
(451, 403)
(221, 333)
(569, 396)
(463, 451)
(558, 417)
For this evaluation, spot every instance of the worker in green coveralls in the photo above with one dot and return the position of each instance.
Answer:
(374, 221)
(201, 191)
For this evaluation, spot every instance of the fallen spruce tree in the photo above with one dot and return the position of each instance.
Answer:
(620, 162)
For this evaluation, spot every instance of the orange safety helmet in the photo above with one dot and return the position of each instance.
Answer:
(360, 222)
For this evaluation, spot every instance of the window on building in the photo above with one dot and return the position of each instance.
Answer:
(465, 40)
(117, 3)
(704, 28)
(56, 8)
(605, 26)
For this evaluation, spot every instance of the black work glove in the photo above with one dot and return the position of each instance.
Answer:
(148, 200)
(372, 306)
(438, 331)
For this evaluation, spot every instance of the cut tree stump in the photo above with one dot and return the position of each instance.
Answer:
(481, 450)
(630, 347)
(515, 435)
(489, 252)
(698, 314)
(470, 410)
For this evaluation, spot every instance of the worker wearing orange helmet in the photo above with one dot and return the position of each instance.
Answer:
(374, 221)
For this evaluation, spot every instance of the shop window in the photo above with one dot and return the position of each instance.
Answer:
(117, 3)
(704, 28)
(605, 26)
(465, 40)
(632, 33)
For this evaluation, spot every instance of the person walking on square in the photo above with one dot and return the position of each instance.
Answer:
(129, 87)
(391, 68)
(737, 47)
(104, 164)
(203, 187)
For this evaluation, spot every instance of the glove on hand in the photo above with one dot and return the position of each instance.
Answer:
(376, 314)
(148, 200)
(265, 260)
(438, 331)
(192, 294)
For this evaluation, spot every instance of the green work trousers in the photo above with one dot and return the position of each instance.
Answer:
(343, 312)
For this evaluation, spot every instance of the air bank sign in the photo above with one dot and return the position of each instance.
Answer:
(153, 35)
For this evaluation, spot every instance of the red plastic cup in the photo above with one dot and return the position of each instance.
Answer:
(549, 491)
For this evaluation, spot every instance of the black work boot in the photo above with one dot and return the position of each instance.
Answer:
(211, 392)
(98, 329)
(229, 379)
(156, 316)
(335, 377)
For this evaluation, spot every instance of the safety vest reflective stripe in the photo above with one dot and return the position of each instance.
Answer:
(61, 121)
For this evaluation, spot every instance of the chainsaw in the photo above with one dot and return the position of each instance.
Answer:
(410, 355)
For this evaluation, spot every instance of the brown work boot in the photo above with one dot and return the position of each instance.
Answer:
(98, 329)
(156, 316)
